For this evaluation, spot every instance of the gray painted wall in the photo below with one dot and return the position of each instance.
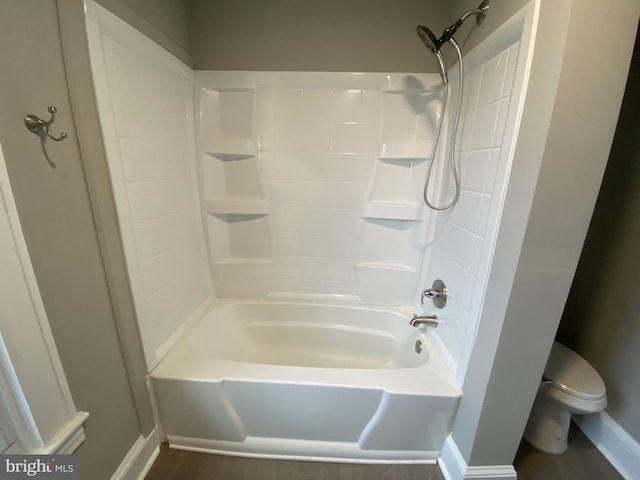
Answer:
(327, 35)
(601, 320)
(59, 228)
(163, 21)
(470, 34)
(573, 162)
(485, 364)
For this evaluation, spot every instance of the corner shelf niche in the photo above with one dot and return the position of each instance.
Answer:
(241, 253)
(392, 233)
(390, 256)
(237, 212)
(237, 206)
(395, 191)
(227, 120)
(232, 149)
(393, 211)
(408, 151)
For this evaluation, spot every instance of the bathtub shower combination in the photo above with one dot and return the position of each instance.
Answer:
(306, 381)
(277, 239)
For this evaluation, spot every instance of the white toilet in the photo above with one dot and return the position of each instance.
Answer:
(570, 385)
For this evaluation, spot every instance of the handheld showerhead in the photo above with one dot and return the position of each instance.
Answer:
(433, 44)
(428, 38)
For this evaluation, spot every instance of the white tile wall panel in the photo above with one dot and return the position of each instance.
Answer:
(316, 194)
(507, 87)
(493, 73)
(355, 137)
(158, 272)
(465, 128)
(315, 268)
(316, 105)
(316, 220)
(472, 83)
(155, 236)
(498, 135)
(463, 238)
(492, 170)
(318, 137)
(457, 243)
(145, 102)
(371, 106)
(469, 214)
(473, 168)
(315, 245)
(303, 136)
(399, 126)
(148, 160)
(324, 167)
(484, 125)
(322, 287)
(279, 104)
(156, 199)
(267, 136)
(346, 105)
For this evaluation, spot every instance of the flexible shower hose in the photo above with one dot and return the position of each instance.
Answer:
(454, 169)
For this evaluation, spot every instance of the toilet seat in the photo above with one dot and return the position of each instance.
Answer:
(572, 387)
(572, 374)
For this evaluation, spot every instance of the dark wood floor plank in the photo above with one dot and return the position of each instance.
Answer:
(581, 461)
(412, 472)
(177, 464)
(260, 469)
(230, 468)
(296, 469)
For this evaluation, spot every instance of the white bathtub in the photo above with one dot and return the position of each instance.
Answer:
(309, 381)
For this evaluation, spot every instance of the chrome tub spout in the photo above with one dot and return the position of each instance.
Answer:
(420, 320)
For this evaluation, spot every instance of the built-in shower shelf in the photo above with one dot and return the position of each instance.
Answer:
(243, 261)
(393, 211)
(237, 206)
(231, 149)
(229, 89)
(405, 151)
(407, 91)
(389, 267)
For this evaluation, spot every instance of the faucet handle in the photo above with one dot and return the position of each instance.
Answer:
(437, 292)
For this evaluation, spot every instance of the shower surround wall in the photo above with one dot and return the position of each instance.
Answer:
(336, 163)
(464, 237)
(145, 101)
(312, 181)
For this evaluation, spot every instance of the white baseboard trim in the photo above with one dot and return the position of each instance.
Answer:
(139, 459)
(622, 451)
(451, 463)
(454, 466)
(69, 438)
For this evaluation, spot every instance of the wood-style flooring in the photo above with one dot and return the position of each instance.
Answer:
(582, 461)
(177, 464)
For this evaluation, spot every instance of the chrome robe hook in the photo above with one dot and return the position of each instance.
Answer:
(36, 125)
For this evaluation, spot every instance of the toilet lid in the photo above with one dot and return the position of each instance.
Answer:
(571, 373)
